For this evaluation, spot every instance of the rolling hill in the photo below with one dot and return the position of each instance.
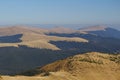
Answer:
(31, 37)
(102, 31)
(23, 48)
(88, 66)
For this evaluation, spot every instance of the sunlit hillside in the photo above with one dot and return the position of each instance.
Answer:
(88, 66)
(34, 38)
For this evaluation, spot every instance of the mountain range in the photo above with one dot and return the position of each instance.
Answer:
(24, 48)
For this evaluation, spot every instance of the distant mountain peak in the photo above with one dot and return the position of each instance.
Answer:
(94, 28)
(60, 29)
(102, 31)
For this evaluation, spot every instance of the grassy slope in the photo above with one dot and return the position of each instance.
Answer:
(37, 40)
(89, 66)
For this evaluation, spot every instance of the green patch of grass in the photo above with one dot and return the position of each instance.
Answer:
(91, 60)
(115, 59)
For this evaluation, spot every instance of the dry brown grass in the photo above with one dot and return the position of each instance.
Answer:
(79, 67)
(94, 28)
(35, 37)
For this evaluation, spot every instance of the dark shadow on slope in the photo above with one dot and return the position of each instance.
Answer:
(109, 32)
(15, 60)
(88, 47)
(96, 43)
(11, 39)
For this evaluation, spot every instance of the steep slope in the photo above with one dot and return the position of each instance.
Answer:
(79, 64)
(102, 31)
(89, 66)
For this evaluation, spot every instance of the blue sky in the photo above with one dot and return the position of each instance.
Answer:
(59, 11)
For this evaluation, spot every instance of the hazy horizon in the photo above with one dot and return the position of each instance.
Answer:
(72, 26)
